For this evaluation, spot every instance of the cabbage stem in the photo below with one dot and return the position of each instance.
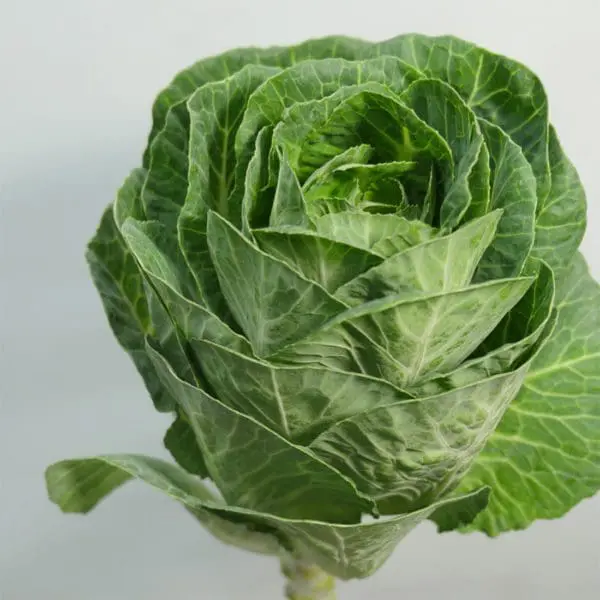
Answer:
(306, 581)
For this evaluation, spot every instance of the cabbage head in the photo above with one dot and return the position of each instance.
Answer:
(349, 271)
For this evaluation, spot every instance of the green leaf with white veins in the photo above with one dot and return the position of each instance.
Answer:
(257, 468)
(513, 190)
(329, 263)
(383, 235)
(529, 315)
(442, 108)
(297, 402)
(414, 337)
(440, 265)
(321, 184)
(289, 207)
(216, 68)
(497, 88)
(364, 186)
(543, 458)
(561, 215)
(346, 551)
(120, 284)
(407, 455)
(258, 196)
(507, 345)
(128, 202)
(314, 132)
(193, 320)
(312, 80)
(216, 111)
(165, 186)
(180, 441)
(273, 304)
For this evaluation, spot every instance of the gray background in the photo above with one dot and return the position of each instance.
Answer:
(78, 78)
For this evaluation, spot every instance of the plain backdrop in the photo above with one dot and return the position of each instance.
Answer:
(77, 79)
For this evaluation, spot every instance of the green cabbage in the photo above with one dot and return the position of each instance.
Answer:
(350, 272)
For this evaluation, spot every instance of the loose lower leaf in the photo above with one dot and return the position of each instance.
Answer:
(78, 485)
(346, 551)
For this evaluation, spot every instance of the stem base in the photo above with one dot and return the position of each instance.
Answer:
(306, 581)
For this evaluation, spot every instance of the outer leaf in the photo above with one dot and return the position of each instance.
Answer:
(544, 457)
(128, 202)
(513, 190)
(120, 285)
(258, 469)
(497, 88)
(165, 186)
(440, 265)
(464, 512)
(195, 321)
(180, 441)
(224, 65)
(357, 551)
(409, 338)
(152, 245)
(346, 551)
(561, 215)
(408, 454)
(273, 304)
(215, 114)
(383, 235)
(297, 402)
(216, 111)
(167, 336)
(329, 263)
(508, 345)
(529, 316)
(126, 209)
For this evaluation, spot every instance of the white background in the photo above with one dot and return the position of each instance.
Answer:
(77, 81)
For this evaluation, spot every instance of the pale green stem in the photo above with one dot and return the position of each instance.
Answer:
(306, 581)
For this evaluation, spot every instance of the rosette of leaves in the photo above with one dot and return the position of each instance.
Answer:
(350, 271)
